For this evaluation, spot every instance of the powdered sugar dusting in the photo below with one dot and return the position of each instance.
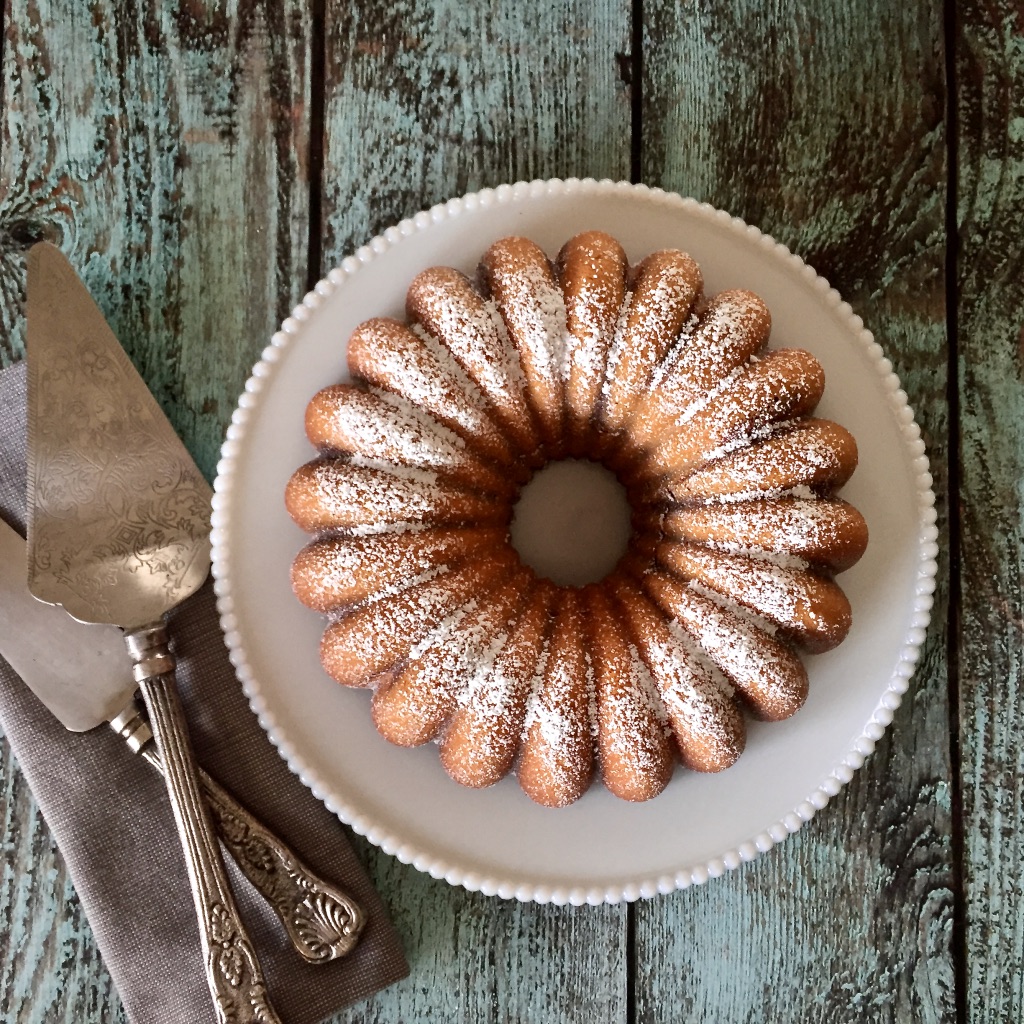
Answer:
(755, 662)
(447, 645)
(727, 498)
(509, 356)
(773, 591)
(587, 312)
(534, 311)
(428, 376)
(615, 353)
(712, 397)
(497, 698)
(451, 369)
(662, 297)
(694, 696)
(646, 688)
(383, 633)
(467, 325)
(800, 456)
(780, 558)
(380, 427)
(334, 572)
(682, 345)
(784, 530)
(488, 689)
(734, 608)
(743, 410)
(551, 706)
(634, 716)
(753, 434)
(699, 657)
(723, 337)
(457, 658)
(407, 370)
(351, 495)
(534, 708)
(379, 529)
(401, 585)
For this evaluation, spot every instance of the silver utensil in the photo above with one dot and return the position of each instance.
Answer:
(52, 652)
(118, 533)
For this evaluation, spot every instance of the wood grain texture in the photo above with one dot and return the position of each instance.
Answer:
(823, 125)
(170, 165)
(990, 638)
(50, 968)
(164, 148)
(428, 100)
(425, 101)
(479, 959)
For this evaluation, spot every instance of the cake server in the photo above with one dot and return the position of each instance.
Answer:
(53, 652)
(118, 533)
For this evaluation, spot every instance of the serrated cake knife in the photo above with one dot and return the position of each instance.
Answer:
(118, 533)
(53, 653)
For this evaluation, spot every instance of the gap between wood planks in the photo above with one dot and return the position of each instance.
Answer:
(3, 53)
(317, 90)
(636, 93)
(636, 104)
(959, 937)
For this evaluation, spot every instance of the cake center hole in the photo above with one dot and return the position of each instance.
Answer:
(572, 522)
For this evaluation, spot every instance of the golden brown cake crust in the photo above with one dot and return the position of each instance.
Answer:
(444, 302)
(731, 327)
(665, 288)
(706, 723)
(418, 700)
(592, 269)
(377, 428)
(737, 536)
(484, 734)
(521, 281)
(635, 750)
(389, 355)
(334, 572)
(557, 756)
(828, 532)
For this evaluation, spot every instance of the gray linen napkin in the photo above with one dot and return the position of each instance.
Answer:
(109, 814)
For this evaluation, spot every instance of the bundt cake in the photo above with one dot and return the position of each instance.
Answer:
(737, 532)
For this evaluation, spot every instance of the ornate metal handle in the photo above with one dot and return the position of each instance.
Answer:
(232, 969)
(322, 922)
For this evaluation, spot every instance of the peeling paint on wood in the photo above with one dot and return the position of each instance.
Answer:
(990, 635)
(170, 167)
(430, 100)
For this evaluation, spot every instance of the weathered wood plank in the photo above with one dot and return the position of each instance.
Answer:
(171, 167)
(49, 964)
(426, 101)
(823, 125)
(164, 148)
(429, 100)
(990, 329)
(476, 958)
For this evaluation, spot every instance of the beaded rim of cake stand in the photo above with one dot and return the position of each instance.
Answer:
(774, 833)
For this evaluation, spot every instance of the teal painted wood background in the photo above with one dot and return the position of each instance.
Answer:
(184, 152)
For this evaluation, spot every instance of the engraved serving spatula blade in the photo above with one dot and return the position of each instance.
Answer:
(118, 532)
(118, 513)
